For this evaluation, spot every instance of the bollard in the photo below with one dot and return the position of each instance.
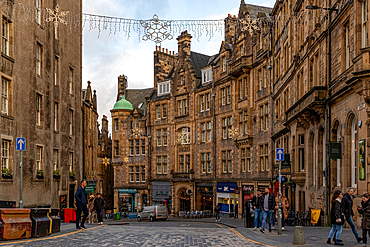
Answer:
(54, 215)
(41, 223)
(15, 223)
(299, 237)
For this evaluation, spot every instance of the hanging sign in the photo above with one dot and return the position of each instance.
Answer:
(362, 162)
(335, 150)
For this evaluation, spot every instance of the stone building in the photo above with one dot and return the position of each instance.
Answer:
(130, 148)
(321, 61)
(104, 160)
(90, 139)
(41, 100)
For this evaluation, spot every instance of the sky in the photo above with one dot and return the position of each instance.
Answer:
(107, 56)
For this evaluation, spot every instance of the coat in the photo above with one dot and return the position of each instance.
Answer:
(99, 203)
(271, 201)
(347, 203)
(90, 205)
(365, 211)
(217, 209)
(336, 213)
(256, 202)
(80, 196)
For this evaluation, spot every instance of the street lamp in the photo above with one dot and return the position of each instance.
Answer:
(313, 7)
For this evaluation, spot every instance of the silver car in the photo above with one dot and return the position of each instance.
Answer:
(153, 213)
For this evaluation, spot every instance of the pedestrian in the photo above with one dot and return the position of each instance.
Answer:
(285, 205)
(337, 217)
(257, 206)
(81, 204)
(268, 206)
(347, 203)
(99, 204)
(90, 207)
(217, 212)
(275, 213)
(365, 211)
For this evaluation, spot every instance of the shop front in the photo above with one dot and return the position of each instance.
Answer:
(162, 194)
(226, 197)
(248, 193)
(127, 201)
(204, 197)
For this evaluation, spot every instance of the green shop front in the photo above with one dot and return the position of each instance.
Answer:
(127, 202)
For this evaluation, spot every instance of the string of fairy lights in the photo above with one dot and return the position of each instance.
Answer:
(154, 29)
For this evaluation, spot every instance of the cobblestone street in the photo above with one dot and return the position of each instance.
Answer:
(144, 234)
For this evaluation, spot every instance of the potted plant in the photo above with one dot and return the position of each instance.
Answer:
(72, 175)
(6, 174)
(40, 174)
(56, 174)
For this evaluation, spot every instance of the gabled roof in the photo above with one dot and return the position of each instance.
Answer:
(254, 10)
(198, 61)
(137, 96)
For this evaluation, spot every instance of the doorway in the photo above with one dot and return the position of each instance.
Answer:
(71, 201)
(184, 200)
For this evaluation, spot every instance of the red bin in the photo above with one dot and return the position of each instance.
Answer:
(16, 223)
(69, 215)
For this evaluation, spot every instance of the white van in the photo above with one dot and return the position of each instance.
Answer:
(153, 213)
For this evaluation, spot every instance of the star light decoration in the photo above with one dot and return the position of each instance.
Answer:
(156, 30)
(56, 16)
(136, 133)
(250, 24)
(126, 159)
(233, 133)
(183, 137)
(105, 161)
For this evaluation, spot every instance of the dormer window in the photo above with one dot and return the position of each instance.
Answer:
(182, 80)
(242, 50)
(141, 104)
(163, 88)
(223, 64)
(207, 75)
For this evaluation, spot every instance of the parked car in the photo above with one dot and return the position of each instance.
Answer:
(153, 213)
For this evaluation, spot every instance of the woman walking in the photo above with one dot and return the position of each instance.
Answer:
(365, 211)
(336, 216)
(90, 207)
(285, 205)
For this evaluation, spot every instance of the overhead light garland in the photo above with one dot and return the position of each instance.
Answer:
(155, 29)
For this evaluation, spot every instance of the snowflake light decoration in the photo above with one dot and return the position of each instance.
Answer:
(126, 159)
(136, 133)
(56, 16)
(105, 161)
(233, 133)
(156, 30)
(183, 137)
(250, 25)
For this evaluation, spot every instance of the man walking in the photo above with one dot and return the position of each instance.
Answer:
(347, 203)
(268, 206)
(217, 212)
(99, 204)
(81, 204)
(257, 206)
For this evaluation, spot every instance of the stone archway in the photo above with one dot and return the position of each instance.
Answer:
(182, 201)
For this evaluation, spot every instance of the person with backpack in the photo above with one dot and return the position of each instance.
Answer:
(217, 212)
(365, 211)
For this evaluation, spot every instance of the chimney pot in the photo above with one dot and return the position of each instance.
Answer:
(166, 51)
(228, 15)
(162, 49)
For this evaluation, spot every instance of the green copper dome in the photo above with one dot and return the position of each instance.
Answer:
(123, 104)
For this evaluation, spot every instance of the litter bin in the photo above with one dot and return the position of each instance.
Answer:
(54, 215)
(41, 222)
(15, 223)
(69, 215)
(118, 216)
(248, 219)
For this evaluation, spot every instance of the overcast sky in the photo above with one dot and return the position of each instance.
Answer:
(108, 56)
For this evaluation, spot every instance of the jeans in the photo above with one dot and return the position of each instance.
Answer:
(364, 237)
(337, 229)
(264, 217)
(352, 224)
(100, 215)
(80, 209)
(217, 216)
(257, 218)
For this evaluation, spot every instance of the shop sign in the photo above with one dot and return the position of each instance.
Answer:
(237, 191)
(63, 201)
(90, 188)
(130, 191)
(362, 162)
(248, 188)
(227, 187)
(335, 150)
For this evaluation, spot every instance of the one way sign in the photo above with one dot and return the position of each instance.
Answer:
(21, 144)
(280, 154)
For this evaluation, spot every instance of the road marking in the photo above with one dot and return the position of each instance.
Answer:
(241, 236)
(47, 238)
(220, 225)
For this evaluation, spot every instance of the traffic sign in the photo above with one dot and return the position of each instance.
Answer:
(280, 154)
(21, 144)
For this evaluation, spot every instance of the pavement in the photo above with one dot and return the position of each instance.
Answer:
(179, 232)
